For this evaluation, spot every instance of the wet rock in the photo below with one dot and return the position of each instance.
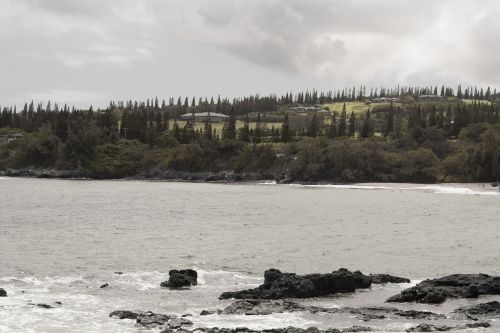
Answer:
(3, 293)
(178, 323)
(414, 314)
(181, 278)
(429, 328)
(105, 285)
(266, 307)
(47, 306)
(436, 291)
(151, 320)
(210, 312)
(386, 278)
(444, 328)
(481, 324)
(124, 314)
(278, 285)
(274, 330)
(483, 310)
(357, 329)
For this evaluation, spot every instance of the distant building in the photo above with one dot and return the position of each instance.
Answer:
(6, 138)
(431, 97)
(304, 108)
(205, 116)
(386, 100)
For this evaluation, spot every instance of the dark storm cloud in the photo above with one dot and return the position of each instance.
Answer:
(94, 50)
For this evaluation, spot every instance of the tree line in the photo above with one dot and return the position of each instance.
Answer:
(447, 140)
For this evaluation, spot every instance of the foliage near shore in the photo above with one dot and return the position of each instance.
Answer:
(446, 140)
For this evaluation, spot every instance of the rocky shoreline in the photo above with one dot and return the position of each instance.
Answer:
(280, 291)
(154, 174)
(274, 296)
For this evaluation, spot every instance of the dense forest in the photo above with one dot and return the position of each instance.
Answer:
(404, 134)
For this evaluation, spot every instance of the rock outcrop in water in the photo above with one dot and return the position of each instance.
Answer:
(181, 278)
(47, 306)
(150, 319)
(386, 278)
(475, 312)
(153, 320)
(3, 293)
(419, 328)
(436, 291)
(278, 285)
(265, 307)
(124, 314)
(444, 328)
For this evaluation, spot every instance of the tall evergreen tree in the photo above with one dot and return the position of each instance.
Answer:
(352, 124)
(332, 129)
(313, 127)
(366, 129)
(342, 121)
(285, 130)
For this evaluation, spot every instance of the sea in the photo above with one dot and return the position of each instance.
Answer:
(60, 240)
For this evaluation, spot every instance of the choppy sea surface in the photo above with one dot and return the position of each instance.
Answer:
(60, 240)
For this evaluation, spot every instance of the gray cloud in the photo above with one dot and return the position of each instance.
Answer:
(71, 49)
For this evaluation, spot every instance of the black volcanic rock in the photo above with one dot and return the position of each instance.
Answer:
(266, 307)
(124, 314)
(278, 285)
(483, 310)
(443, 328)
(151, 320)
(436, 291)
(181, 278)
(386, 278)
(3, 293)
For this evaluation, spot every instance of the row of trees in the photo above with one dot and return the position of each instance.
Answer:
(146, 125)
(254, 103)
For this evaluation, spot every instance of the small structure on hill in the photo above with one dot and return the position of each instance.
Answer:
(431, 97)
(386, 100)
(6, 138)
(205, 116)
(301, 108)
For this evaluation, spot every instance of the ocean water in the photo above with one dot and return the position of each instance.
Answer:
(60, 240)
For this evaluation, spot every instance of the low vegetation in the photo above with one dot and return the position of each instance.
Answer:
(411, 140)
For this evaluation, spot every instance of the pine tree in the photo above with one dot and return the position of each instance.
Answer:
(389, 127)
(245, 131)
(352, 124)
(332, 129)
(366, 129)
(342, 121)
(257, 134)
(313, 127)
(207, 129)
(231, 126)
(285, 130)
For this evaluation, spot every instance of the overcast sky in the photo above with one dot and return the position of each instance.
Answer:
(85, 52)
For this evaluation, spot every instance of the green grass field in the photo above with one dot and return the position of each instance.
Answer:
(219, 126)
(356, 107)
(471, 101)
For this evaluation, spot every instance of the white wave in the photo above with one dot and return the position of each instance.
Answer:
(278, 320)
(458, 190)
(139, 280)
(464, 189)
(224, 277)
